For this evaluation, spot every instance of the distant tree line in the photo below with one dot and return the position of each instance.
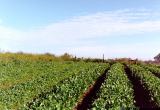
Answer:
(68, 57)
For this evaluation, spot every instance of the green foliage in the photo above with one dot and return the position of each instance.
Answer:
(116, 92)
(152, 68)
(66, 94)
(66, 57)
(45, 81)
(149, 80)
(34, 57)
(22, 80)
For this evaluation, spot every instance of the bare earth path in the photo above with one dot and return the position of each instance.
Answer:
(91, 95)
(141, 95)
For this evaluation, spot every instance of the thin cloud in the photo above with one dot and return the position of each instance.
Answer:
(76, 30)
(101, 24)
(137, 50)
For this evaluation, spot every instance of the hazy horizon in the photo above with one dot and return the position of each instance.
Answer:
(88, 28)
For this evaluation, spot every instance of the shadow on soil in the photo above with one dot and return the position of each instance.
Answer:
(141, 95)
(91, 95)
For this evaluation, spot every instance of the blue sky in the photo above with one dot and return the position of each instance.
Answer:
(88, 28)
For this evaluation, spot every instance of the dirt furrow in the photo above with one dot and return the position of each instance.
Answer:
(141, 95)
(91, 94)
(156, 74)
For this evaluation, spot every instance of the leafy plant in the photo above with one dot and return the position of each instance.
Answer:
(66, 94)
(116, 92)
(149, 80)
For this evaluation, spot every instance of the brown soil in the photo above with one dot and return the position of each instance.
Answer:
(156, 74)
(141, 93)
(91, 94)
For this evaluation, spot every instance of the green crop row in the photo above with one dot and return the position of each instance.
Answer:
(66, 94)
(24, 80)
(116, 92)
(21, 81)
(149, 80)
(152, 68)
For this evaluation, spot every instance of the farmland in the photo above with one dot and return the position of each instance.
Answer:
(45, 82)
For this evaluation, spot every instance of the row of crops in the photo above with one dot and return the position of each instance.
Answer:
(116, 91)
(22, 81)
(152, 68)
(65, 94)
(148, 80)
(50, 85)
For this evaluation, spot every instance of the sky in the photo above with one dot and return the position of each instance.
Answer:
(85, 28)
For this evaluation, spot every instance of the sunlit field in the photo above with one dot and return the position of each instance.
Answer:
(30, 81)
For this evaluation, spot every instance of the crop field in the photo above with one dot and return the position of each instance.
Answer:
(46, 83)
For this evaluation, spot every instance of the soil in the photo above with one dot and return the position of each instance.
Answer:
(91, 94)
(141, 95)
(156, 74)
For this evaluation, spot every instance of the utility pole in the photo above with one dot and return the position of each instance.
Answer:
(103, 58)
